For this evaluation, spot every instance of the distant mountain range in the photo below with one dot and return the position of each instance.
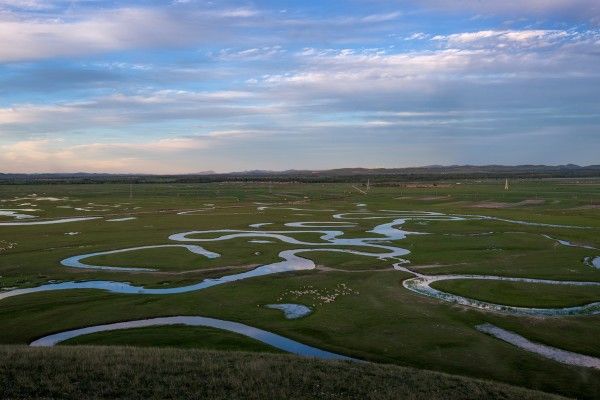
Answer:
(431, 169)
(431, 172)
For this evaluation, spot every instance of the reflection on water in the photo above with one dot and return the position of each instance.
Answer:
(277, 341)
(291, 311)
(563, 356)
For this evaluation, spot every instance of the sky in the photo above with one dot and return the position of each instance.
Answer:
(185, 86)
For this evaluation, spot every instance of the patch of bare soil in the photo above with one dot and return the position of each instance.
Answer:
(427, 185)
(419, 267)
(429, 198)
(587, 207)
(495, 204)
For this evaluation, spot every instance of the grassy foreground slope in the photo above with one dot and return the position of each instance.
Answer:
(125, 372)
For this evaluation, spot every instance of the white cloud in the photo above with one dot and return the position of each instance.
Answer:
(26, 4)
(325, 79)
(484, 56)
(584, 9)
(169, 96)
(26, 37)
(373, 18)
(417, 36)
(495, 38)
(128, 109)
(236, 133)
(58, 156)
(238, 13)
(256, 53)
(109, 30)
(28, 113)
(345, 72)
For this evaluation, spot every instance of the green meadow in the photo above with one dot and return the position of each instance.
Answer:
(359, 305)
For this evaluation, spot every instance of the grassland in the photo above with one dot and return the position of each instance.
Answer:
(378, 321)
(124, 372)
(174, 336)
(521, 294)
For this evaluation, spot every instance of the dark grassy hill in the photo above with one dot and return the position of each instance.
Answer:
(145, 373)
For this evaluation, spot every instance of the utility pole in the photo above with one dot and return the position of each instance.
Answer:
(131, 190)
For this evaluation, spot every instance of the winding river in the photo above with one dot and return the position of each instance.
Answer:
(331, 239)
(291, 259)
(421, 284)
(379, 243)
(272, 339)
(562, 356)
(49, 221)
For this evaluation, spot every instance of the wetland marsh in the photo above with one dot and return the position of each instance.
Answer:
(398, 275)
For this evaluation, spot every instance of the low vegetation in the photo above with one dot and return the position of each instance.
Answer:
(372, 317)
(152, 373)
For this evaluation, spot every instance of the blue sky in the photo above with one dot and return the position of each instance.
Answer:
(187, 85)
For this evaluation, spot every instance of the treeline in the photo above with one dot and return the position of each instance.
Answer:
(375, 176)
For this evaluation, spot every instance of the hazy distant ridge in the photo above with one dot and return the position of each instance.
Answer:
(433, 172)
